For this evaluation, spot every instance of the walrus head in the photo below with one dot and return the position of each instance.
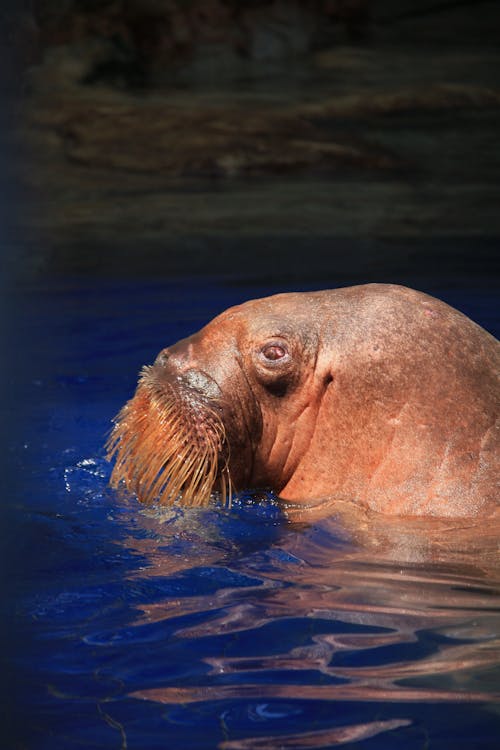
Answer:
(203, 418)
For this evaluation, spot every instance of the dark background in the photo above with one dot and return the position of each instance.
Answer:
(345, 140)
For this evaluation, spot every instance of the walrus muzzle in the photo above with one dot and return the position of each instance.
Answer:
(169, 441)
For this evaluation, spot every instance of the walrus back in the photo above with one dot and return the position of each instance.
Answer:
(410, 424)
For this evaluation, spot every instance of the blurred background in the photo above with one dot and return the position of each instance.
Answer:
(347, 140)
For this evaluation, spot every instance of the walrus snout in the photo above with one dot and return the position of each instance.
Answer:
(169, 440)
(181, 356)
(169, 367)
(175, 358)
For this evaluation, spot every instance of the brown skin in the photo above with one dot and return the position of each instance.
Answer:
(375, 394)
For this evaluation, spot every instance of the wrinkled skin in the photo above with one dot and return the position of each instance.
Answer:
(375, 394)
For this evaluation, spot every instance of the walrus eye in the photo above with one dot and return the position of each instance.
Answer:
(274, 351)
(274, 366)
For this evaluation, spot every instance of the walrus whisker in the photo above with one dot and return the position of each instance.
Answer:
(163, 450)
(165, 486)
(156, 461)
(171, 481)
(141, 479)
(196, 487)
(199, 485)
(201, 480)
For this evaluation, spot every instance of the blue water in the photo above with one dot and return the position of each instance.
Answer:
(216, 628)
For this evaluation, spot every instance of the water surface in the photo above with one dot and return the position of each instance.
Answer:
(219, 628)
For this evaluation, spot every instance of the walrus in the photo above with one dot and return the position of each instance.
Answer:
(375, 394)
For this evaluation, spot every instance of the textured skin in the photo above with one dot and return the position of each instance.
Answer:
(386, 397)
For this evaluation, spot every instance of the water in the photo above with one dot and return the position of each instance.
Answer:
(216, 628)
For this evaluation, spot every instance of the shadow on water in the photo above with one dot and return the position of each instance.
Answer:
(244, 627)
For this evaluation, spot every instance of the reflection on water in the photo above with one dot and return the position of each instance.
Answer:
(248, 627)
(322, 618)
(239, 629)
